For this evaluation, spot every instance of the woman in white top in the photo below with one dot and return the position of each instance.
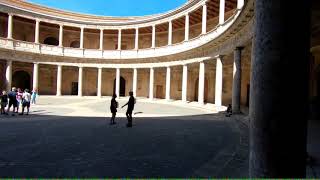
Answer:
(26, 98)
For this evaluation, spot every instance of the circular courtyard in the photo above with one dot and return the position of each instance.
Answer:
(71, 137)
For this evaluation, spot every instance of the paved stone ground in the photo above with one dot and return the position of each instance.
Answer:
(71, 137)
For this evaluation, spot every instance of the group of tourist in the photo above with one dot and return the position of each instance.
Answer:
(16, 98)
(114, 105)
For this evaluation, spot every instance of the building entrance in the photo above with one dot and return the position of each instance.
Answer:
(122, 86)
(21, 79)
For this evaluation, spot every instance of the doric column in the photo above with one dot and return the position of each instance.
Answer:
(240, 4)
(36, 34)
(118, 82)
(8, 75)
(236, 87)
(204, 18)
(170, 33)
(60, 35)
(151, 83)
(35, 76)
(81, 37)
(279, 93)
(168, 83)
(99, 87)
(136, 44)
(201, 83)
(80, 78)
(10, 25)
(101, 40)
(219, 81)
(186, 30)
(59, 80)
(221, 12)
(153, 44)
(184, 83)
(134, 84)
(119, 39)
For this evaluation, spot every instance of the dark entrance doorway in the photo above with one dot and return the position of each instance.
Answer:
(74, 88)
(122, 86)
(196, 89)
(21, 79)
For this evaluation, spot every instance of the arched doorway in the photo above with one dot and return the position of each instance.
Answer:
(51, 41)
(75, 44)
(21, 79)
(196, 89)
(122, 86)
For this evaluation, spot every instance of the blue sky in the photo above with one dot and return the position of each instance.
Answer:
(113, 7)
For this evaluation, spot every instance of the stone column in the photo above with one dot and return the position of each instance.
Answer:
(221, 11)
(118, 82)
(151, 83)
(186, 30)
(204, 19)
(219, 82)
(81, 37)
(10, 26)
(60, 35)
(80, 81)
(153, 44)
(236, 87)
(101, 40)
(59, 80)
(201, 83)
(36, 33)
(8, 75)
(170, 33)
(168, 83)
(184, 83)
(99, 82)
(135, 79)
(119, 39)
(35, 76)
(240, 4)
(279, 104)
(136, 44)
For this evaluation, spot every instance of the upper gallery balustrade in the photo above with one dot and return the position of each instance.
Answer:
(192, 25)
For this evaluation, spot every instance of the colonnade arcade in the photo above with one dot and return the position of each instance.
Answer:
(201, 63)
(172, 26)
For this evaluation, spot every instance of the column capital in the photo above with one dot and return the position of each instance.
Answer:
(204, 3)
(61, 25)
(101, 29)
(11, 14)
(82, 27)
(37, 20)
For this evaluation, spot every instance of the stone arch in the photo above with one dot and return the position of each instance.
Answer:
(75, 44)
(122, 86)
(51, 41)
(196, 89)
(21, 79)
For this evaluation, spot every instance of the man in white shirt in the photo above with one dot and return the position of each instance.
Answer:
(26, 98)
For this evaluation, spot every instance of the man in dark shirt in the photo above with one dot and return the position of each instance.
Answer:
(12, 100)
(130, 104)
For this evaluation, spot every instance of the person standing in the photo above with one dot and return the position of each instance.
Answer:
(4, 102)
(19, 99)
(113, 108)
(34, 96)
(12, 100)
(130, 104)
(26, 98)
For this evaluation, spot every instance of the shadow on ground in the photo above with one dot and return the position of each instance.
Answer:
(44, 146)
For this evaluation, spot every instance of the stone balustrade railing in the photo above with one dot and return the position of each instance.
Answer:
(119, 54)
